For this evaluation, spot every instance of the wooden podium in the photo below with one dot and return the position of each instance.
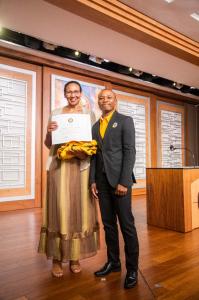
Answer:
(173, 198)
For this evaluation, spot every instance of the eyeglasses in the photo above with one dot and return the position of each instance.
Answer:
(73, 92)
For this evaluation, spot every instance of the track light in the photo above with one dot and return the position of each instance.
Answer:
(137, 73)
(49, 46)
(77, 53)
(177, 85)
(95, 59)
(32, 42)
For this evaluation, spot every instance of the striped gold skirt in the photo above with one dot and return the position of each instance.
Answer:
(70, 229)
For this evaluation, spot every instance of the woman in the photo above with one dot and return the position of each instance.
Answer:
(70, 228)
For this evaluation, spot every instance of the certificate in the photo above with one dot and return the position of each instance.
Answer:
(72, 127)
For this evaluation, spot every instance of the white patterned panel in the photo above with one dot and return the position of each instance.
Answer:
(13, 126)
(13, 99)
(171, 134)
(138, 113)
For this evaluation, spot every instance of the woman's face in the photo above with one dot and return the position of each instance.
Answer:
(73, 94)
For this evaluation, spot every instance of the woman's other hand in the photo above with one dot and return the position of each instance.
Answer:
(52, 126)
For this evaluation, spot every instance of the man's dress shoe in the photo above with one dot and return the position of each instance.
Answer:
(130, 280)
(108, 268)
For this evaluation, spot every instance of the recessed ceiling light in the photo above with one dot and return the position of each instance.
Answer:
(169, 1)
(195, 16)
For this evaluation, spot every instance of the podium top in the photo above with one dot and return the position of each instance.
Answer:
(180, 168)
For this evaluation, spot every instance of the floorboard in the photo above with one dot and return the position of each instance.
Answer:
(168, 265)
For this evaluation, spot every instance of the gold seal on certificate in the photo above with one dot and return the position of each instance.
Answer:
(72, 127)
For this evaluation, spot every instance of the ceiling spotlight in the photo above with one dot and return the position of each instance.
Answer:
(169, 1)
(137, 73)
(195, 16)
(95, 59)
(49, 46)
(178, 85)
(77, 53)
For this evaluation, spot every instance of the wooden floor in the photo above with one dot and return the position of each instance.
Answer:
(168, 269)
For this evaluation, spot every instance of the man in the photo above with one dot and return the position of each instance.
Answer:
(111, 180)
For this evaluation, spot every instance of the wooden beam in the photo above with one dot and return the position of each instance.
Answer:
(119, 17)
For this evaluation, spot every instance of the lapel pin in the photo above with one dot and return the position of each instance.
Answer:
(114, 125)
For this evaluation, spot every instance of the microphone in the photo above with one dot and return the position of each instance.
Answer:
(172, 148)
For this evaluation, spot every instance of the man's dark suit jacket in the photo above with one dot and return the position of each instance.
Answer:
(116, 151)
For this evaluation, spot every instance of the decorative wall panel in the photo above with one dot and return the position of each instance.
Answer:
(137, 107)
(170, 132)
(12, 132)
(17, 134)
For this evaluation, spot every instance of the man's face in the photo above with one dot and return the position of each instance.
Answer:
(73, 94)
(107, 101)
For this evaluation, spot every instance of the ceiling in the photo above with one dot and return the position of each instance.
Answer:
(175, 15)
(58, 26)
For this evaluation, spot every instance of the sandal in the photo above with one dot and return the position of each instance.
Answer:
(74, 266)
(57, 270)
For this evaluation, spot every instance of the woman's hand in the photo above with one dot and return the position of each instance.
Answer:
(94, 191)
(81, 155)
(52, 126)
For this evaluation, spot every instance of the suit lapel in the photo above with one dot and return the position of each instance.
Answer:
(110, 125)
(99, 139)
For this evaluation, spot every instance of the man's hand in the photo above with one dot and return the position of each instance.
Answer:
(121, 190)
(52, 126)
(94, 191)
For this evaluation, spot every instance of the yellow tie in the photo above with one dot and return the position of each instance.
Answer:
(104, 124)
